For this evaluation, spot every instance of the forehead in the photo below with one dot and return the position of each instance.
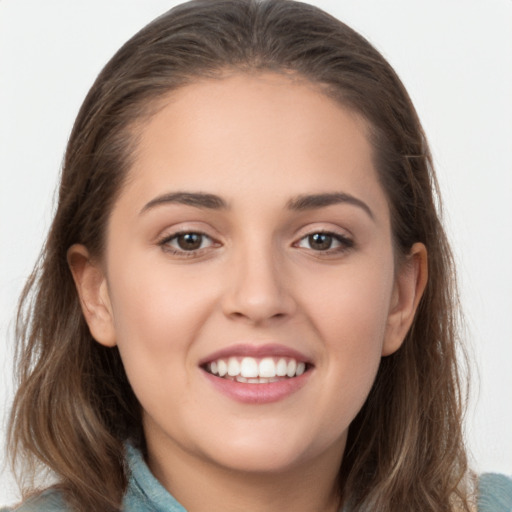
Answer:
(265, 133)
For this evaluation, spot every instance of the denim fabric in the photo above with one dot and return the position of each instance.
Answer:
(146, 494)
(495, 493)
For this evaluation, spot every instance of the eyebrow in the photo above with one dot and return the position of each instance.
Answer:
(196, 199)
(299, 203)
(314, 201)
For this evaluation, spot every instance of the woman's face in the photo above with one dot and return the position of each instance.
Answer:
(252, 237)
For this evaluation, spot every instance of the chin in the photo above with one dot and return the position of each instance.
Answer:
(270, 454)
(258, 461)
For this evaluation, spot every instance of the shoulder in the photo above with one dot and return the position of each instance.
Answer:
(48, 501)
(494, 493)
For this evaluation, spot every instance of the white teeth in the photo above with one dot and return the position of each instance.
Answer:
(222, 367)
(281, 368)
(292, 366)
(233, 366)
(249, 367)
(251, 370)
(267, 368)
(261, 380)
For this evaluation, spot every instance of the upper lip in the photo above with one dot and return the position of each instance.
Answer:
(256, 351)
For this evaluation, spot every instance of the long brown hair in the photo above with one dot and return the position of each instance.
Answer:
(74, 408)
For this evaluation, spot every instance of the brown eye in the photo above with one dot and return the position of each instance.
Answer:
(186, 242)
(326, 242)
(320, 241)
(189, 241)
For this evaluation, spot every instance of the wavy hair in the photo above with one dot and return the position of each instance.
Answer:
(74, 407)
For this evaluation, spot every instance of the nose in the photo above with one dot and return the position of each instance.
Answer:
(258, 290)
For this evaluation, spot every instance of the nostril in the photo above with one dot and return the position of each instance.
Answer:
(257, 317)
(257, 298)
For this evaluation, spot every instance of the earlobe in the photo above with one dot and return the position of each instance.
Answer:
(91, 285)
(410, 283)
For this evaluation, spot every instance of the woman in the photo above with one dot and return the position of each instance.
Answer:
(246, 287)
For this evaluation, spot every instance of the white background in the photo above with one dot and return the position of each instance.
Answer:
(455, 58)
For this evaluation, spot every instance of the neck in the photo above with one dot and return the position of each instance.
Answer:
(202, 485)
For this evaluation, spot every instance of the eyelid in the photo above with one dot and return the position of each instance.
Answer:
(177, 234)
(338, 238)
(344, 241)
(184, 226)
(164, 243)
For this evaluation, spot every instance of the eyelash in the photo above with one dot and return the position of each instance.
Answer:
(164, 243)
(344, 243)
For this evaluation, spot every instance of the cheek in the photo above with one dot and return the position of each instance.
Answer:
(155, 304)
(350, 305)
(157, 314)
(349, 312)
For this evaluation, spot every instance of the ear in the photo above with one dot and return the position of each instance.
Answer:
(91, 285)
(410, 281)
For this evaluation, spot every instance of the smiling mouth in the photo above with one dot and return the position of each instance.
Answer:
(253, 370)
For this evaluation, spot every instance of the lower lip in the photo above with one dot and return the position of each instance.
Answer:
(258, 393)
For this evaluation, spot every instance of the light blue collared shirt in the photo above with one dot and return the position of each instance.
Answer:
(146, 494)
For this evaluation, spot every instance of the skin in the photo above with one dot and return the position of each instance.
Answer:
(258, 142)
